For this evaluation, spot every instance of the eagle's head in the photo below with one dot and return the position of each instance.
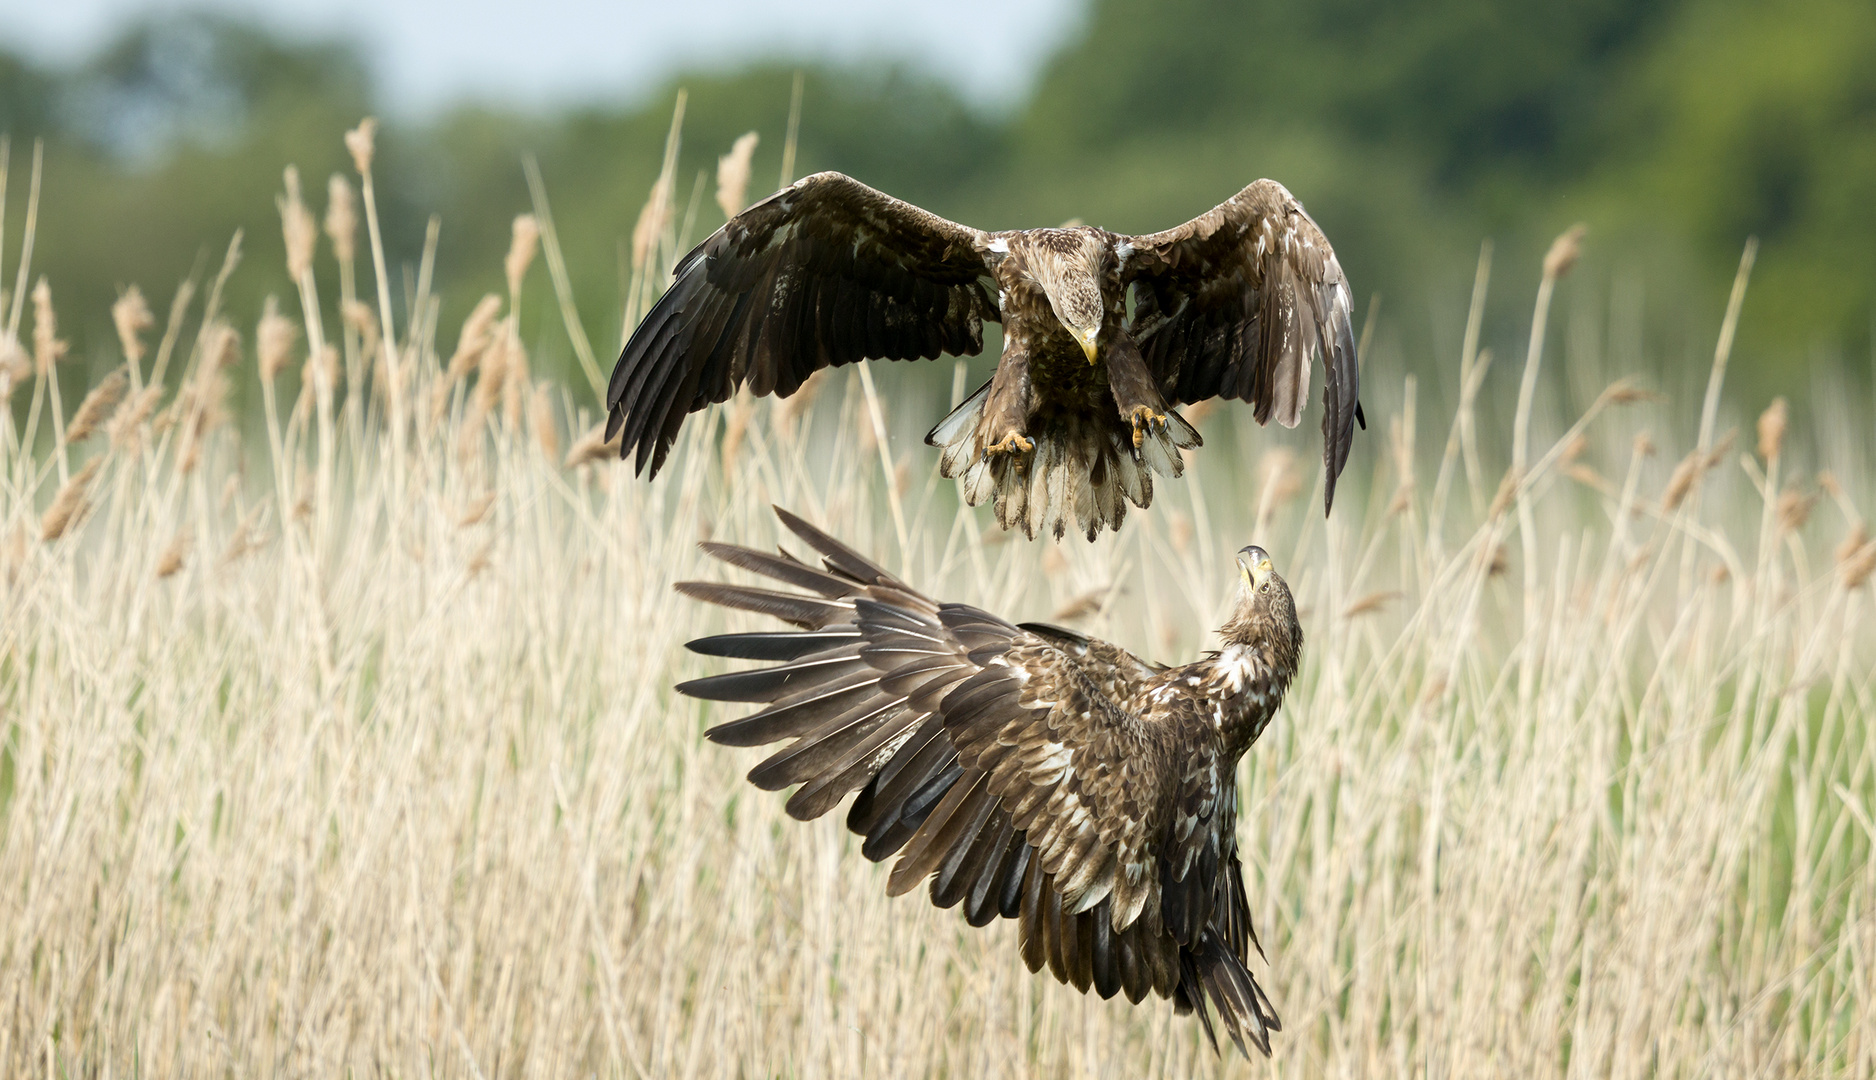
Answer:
(1265, 616)
(1069, 264)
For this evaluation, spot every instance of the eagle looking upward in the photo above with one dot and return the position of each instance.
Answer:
(1030, 772)
(1080, 412)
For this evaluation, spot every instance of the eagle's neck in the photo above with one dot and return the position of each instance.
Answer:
(1245, 684)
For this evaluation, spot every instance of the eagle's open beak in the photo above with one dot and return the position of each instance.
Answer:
(1087, 341)
(1254, 564)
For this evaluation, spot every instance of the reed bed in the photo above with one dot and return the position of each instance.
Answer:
(343, 743)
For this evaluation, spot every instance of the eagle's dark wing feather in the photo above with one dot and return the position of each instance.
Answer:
(999, 764)
(1235, 302)
(824, 272)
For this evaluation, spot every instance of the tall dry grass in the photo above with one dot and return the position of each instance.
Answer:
(354, 752)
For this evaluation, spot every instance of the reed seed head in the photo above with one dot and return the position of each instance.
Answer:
(593, 446)
(1564, 251)
(175, 553)
(296, 227)
(522, 244)
(1772, 428)
(48, 350)
(97, 404)
(131, 315)
(126, 425)
(70, 504)
(362, 142)
(733, 174)
(273, 339)
(341, 218)
(15, 366)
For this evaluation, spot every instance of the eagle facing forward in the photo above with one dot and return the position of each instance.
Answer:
(1080, 412)
(1028, 771)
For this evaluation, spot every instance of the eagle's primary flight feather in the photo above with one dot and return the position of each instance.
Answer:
(1080, 413)
(1027, 771)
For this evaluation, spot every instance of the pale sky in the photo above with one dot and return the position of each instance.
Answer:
(427, 53)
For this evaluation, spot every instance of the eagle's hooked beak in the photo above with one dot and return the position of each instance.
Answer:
(1255, 567)
(1086, 340)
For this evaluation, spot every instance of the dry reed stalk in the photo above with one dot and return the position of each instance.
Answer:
(785, 413)
(175, 553)
(131, 316)
(653, 219)
(1179, 533)
(91, 411)
(524, 240)
(1401, 432)
(15, 554)
(516, 377)
(320, 374)
(363, 322)
(70, 504)
(1278, 482)
(541, 418)
(733, 174)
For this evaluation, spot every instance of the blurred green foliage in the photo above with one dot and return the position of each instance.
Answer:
(1675, 128)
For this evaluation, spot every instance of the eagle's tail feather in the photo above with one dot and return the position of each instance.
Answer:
(1081, 470)
(1209, 970)
(953, 434)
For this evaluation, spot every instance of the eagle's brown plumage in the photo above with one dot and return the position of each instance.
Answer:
(1027, 771)
(1080, 413)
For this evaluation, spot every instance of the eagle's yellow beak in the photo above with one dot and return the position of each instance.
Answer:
(1255, 567)
(1087, 341)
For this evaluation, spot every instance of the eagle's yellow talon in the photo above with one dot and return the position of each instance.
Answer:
(1013, 443)
(1144, 419)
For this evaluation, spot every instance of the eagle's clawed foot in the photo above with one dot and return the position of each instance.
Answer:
(1012, 443)
(1145, 420)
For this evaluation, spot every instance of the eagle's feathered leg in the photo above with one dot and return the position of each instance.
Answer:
(1158, 431)
(1004, 423)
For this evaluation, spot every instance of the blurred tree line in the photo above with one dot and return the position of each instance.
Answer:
(1675, 128)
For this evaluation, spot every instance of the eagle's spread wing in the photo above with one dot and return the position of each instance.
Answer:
(1233, 304)
(998, 762)
(827, 271)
